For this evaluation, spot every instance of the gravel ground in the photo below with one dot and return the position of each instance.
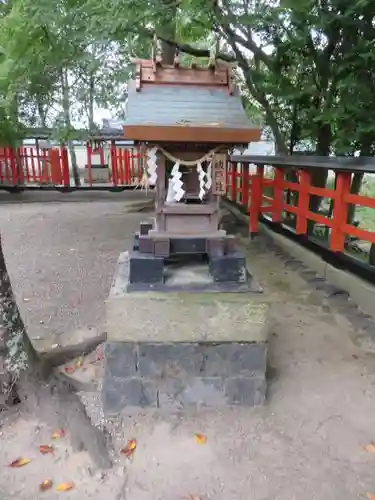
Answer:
(61, 257)
(306, 443)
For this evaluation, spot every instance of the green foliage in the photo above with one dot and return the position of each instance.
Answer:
(315, 80)
(304, 67)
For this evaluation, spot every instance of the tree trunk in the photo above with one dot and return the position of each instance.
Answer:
(25, 376)
(169, 31)
(354, 189)
(68, 126)
(42, 114)
(319, 176)
(356, 185)
(17, 351)
(91, 123)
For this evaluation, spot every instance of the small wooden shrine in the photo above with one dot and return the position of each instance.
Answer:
(188, 118)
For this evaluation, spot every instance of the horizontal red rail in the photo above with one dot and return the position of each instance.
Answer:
(267, 195)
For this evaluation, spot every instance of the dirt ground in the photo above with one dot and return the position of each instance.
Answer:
(306, 443)
(61, 256)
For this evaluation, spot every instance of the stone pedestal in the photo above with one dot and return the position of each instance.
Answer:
(153, 248)
(179, 349)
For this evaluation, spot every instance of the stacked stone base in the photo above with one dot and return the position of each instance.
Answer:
(178, 375)
(183, 349)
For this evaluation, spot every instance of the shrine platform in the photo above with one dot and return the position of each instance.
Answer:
(176, 349)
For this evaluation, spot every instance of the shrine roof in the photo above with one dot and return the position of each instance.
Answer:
(185, 105)
(188, 111)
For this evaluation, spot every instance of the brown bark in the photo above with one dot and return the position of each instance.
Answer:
(67, 122)
(169, 31)
(32, 380)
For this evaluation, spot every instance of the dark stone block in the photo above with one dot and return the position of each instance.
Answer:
(192, 392)
(169, 391)
(231, 267)
(117, 394)
(188, 245)
(169, 360)
(215, 247)
(162, 248)
(245, 391)
(145, 227)
(227, 359)
(145, 244)
(121, 359)
(145, 268)
(136, 241)
(230, 245)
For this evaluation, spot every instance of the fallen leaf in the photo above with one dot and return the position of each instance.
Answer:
(370, 448)
(354, 356)
(99, 355)
(371, 496)
(45, 448)
(58, 433)
(79, 362)
(46, 485)
(200, 438)
(129, 448)
(65, 487)
(20, 462)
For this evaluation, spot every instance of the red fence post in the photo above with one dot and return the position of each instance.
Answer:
(7, 161)
(303, 202)
(113, 154)
(135, 155)
(340, 211)
(55, 166)
(128, 172)
(278, 195)
(245, 185)
(123, 165)
(233, 186)
(256, 200)
(65, 166)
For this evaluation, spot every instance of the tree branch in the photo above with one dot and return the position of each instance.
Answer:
(194, 51)
(261, 98)
(248, 43)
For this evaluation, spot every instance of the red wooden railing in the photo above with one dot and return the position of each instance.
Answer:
(247, 183)
(127, 165)
(38, 167)
(248, 186)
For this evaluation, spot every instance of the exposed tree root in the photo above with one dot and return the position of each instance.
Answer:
(63, 354)
(56, 403)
